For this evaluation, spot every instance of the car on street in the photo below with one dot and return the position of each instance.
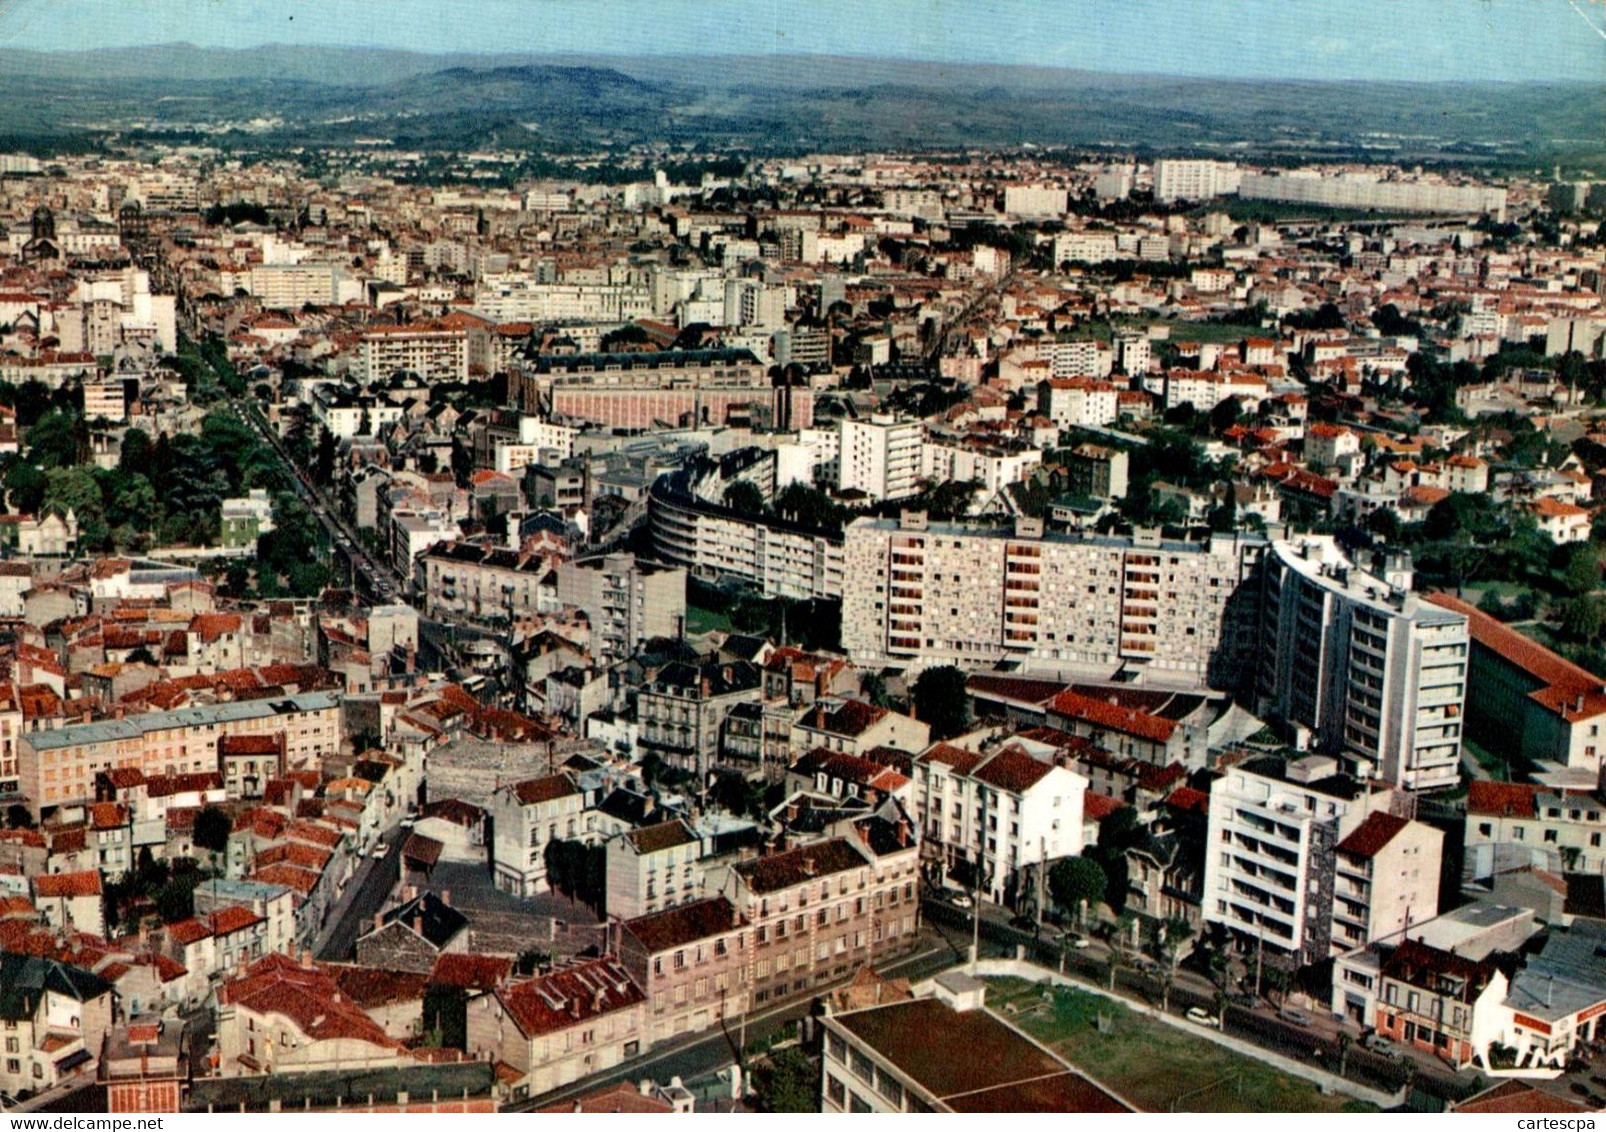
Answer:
(1076, 942)
(959, 900)
(1381, 1046)
(1295, 1015)
(379, 851)
(1202, 1017)
(409, 821)
(1243, 999)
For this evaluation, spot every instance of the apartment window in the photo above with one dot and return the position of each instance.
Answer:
(835, 1091)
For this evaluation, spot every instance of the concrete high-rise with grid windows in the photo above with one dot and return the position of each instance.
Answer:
(917, 593)
(1360, 666)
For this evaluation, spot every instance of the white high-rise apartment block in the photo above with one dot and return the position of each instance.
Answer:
(918, 593)
(1365, 190)
(1034, 200)
(1079, 402)
(1113, 183)
(1271, 851)
(1374, 675)
(880, 457)
(1085, 247)
(1085, 357)
(1194, 180)
(1133, 353)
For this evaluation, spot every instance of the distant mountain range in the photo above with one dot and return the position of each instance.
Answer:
(328, 95)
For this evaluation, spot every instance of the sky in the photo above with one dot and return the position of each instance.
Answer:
(1430, 40)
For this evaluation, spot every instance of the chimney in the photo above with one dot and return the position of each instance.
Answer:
(379, 920)
(306, 958)
(808, 866)
(446, 897)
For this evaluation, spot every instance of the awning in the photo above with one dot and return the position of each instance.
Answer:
(74, 1060)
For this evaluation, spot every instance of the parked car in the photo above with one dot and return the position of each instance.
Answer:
(409, 821)
(379, 851)
(1381, 1045)
(1295, 1015)
(1243, 999)
(959, 900)
(1203, 1017)
(1077, 942)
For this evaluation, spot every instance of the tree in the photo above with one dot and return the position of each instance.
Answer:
(1228, 412)
(873, 687)
(1582, 572)
(940, 699)
(1113, 963)
(135, 453)
(1582, 618)
(53, 441)
(212, 829)
(175, 901)
(1174, 933)
(744, 497)
(1076, 883)
(788, 1081)
(323, 468)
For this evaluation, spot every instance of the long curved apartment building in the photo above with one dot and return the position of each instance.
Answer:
(711, 541)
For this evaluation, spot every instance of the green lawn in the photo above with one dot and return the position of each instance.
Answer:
(700, 621)
(1153, 1064)
(1185, 331)
(1497, 766)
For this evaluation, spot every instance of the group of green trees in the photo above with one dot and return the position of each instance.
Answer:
(159, 492)
(810, 623)
(577, 870)
(164, 887)
(795, 503)
(941, 701)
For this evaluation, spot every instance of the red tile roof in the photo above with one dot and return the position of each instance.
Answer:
(67, 885)
(1373, 835)
(956, 759)
(472, 972)
(1502, 799)
(1566, 689)
(793, 867)
(1112, 717)
(570, 997)
(308, 997)
(536, 790)
(1012, 770)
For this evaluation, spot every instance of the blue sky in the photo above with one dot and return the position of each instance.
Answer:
(1509, 40)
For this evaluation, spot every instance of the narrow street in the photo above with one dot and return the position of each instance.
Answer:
(366, 891)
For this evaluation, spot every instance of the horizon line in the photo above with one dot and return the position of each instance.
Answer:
(970, 64)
